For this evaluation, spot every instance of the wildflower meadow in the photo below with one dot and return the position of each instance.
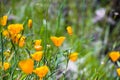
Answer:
(59, 40)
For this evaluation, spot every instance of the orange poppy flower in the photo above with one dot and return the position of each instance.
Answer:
(19, 39)
(21, 42)
(15, 28)
(114, 55)
(37, 45)
(26, 65)
(37, 55)
(41, 71)
(73, 56)
(37, 42)
(57, 40)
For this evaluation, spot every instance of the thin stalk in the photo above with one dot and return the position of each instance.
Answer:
(45, 35)
(15, 60)
(28, 51)
(51, 74)
(2, 54)
(45, 46)
(2, 49)
(59, 17)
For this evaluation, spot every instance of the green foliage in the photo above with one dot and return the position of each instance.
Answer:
(49, 19)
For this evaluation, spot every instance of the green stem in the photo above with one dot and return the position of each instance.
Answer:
(28, 51)
(59, 17)
(57, 50)
(46, 35)
(2, 49)
(51, 74)
(67, 64)
(15, 60)
(2, 54)
(45, 46)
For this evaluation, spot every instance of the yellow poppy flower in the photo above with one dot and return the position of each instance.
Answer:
(6, 65)
(16, 38)
(22, 42)
(30, 23)
(114, 55)
(15, 28)
(41, 71)
(38, 42)
(37, 55)
(26, 66)
(69, 30)
(3, 20)
(37, 45)
(57, 40)
(6, 33)
(118, 71)
(73, 56)
(19, 39)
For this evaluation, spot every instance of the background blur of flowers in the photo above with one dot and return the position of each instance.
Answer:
(73, 39)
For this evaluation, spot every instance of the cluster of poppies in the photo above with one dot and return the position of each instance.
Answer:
(13, 33)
